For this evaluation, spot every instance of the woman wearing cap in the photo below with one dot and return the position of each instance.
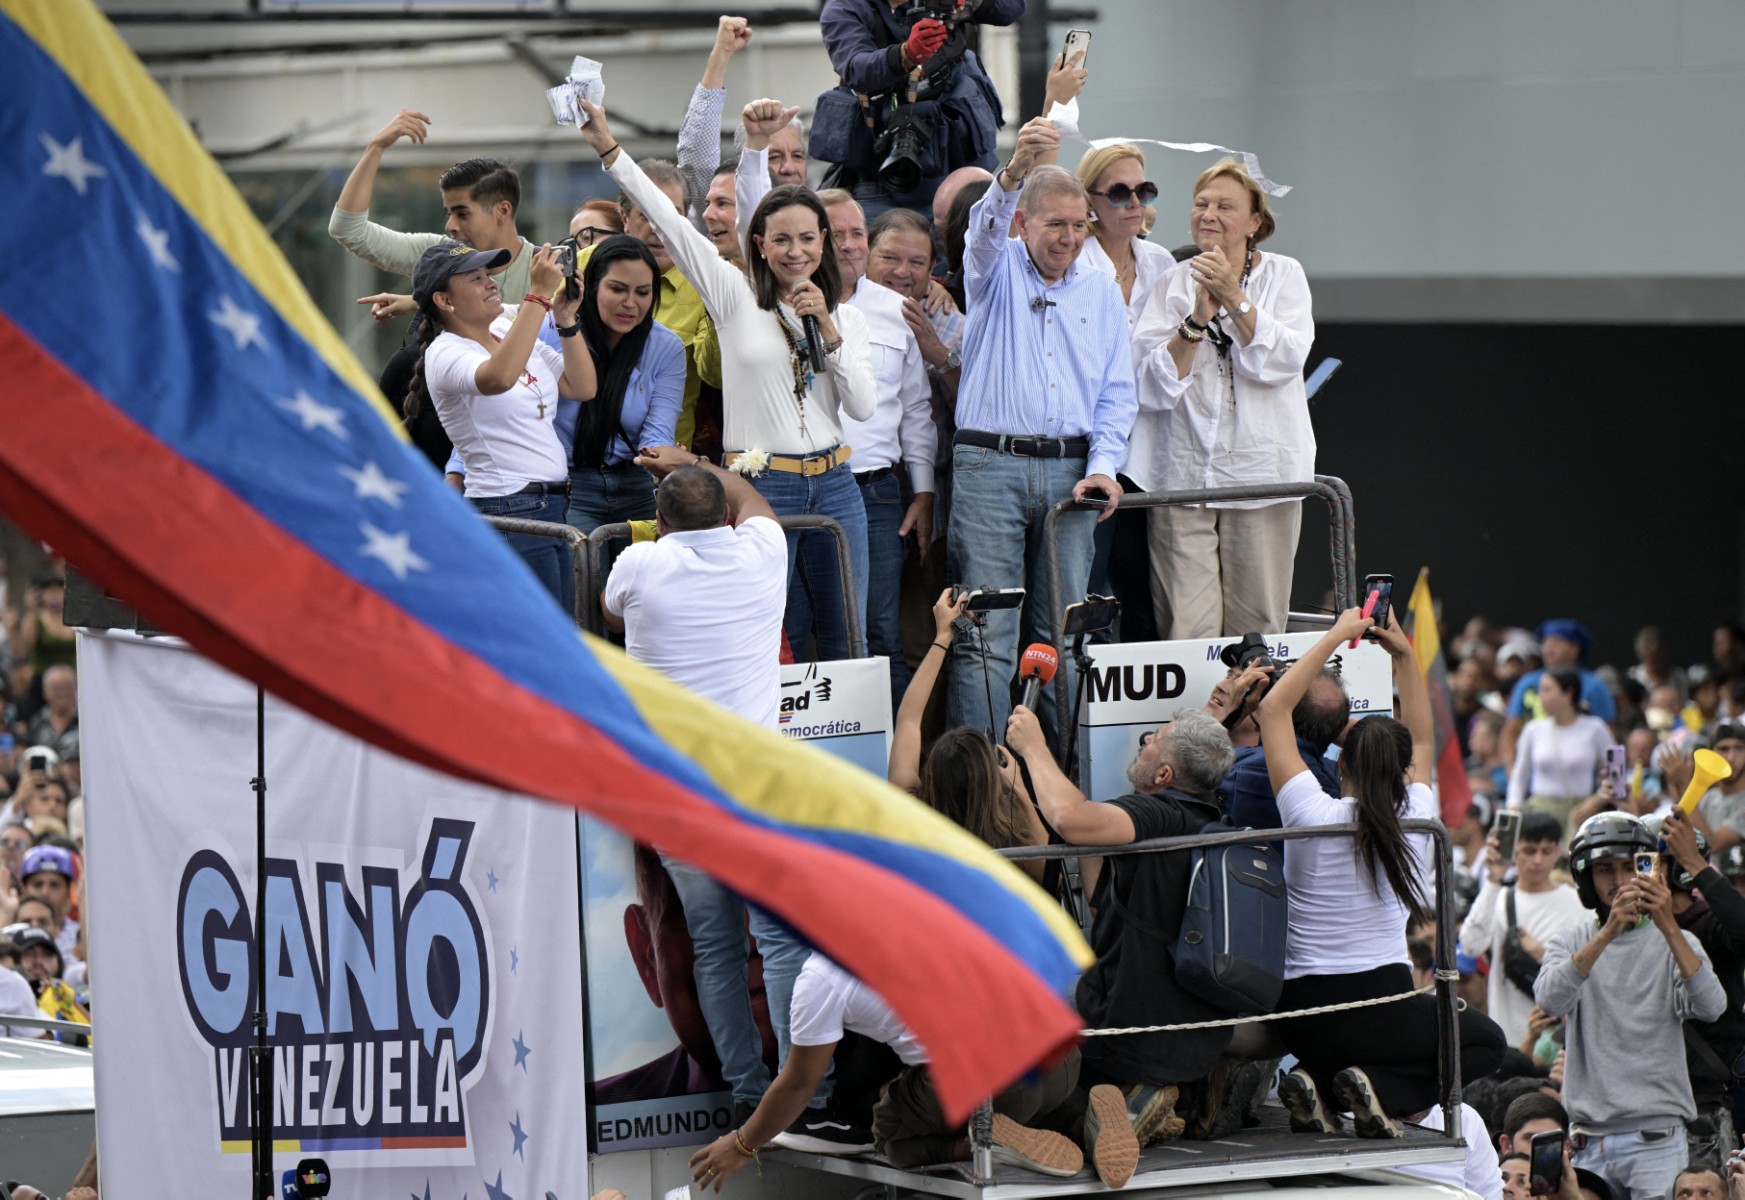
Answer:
(1559, 755)
(781, 424)
(1223, 343)
(496, 389)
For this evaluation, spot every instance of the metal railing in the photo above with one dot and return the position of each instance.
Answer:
(579, 565)
(1446, 977)
(600, 541)
(1342, 539)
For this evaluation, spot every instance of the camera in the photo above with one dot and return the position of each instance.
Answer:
(1645, 863)
(900, 148)
(1252, 651)
(566, 261)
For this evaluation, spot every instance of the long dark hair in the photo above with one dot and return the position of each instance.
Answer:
(600, 417)
(828, 277)
(1377, 754)
(425, 329)
(961, 778)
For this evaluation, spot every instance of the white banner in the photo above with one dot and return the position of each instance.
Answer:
(422, 983)
(844, 706)
(1133, 687)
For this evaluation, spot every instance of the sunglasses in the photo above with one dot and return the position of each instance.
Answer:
(1120, 195)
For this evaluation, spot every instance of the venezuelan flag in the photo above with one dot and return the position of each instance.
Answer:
(181, 423)
(1451, 782)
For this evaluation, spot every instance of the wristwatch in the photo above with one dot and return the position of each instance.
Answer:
(1243, 309)
(952, 362)
(569, 331)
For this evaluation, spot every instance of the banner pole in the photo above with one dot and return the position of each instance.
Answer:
(261, 1054)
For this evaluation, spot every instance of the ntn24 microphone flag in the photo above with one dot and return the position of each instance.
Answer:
(182, 423)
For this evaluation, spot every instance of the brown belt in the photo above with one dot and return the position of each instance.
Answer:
(811, 464)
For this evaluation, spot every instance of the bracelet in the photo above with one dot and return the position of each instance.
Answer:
(833, 347)
(945, 646)
(538, 300)
(1188, 335)
(739, 1144)
(607, 151)
(569, 331)
(1193, 324)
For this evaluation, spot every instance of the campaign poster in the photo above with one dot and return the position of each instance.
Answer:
(423, 985)
(653, 1077)
(1133, 687)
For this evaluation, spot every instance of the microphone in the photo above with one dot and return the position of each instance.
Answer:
(1038, 304)
(1036, 668)
(814, 343)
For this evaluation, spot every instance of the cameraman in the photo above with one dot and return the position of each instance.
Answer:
(1318, 719)
(914, 104)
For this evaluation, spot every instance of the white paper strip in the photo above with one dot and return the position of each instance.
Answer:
(1065, 117)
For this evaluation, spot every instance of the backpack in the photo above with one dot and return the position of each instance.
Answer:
(1231, 949)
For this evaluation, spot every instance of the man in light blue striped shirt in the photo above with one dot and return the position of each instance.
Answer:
(1043, 412)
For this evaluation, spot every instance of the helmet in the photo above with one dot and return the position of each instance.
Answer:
(1681, 879)
(57, 859)
(1606, 835)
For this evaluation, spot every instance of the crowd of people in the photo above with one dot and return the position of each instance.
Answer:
(934, 348)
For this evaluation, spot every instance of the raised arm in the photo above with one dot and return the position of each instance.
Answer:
(761, 120)
(1284, 762)
(1073, 815)
(700, 135)
(350, 225)
(1414, 698)
(743, 500)
(904, 770)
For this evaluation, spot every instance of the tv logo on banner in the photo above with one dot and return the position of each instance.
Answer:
(377, 1013)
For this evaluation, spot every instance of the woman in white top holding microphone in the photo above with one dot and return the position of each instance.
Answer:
(782, 393)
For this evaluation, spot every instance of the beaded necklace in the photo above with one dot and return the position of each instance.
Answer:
(1221, 340)
(802, 367)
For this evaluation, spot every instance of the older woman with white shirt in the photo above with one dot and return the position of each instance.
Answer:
(781, 418)
(1223, 344)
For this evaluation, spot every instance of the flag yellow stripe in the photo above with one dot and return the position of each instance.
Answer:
(95, 57)
(1426, 641)
(803, 786)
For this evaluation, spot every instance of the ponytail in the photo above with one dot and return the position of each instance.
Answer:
(425, 329)
(1377, 755)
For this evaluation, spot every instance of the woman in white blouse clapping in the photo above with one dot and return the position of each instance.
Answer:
(1223, 343)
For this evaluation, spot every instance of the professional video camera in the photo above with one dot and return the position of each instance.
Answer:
(900, 148)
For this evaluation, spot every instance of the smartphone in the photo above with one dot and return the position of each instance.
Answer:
(1508, 830)
(1618, 771)
(1382, 588)
(36, 762)
(1094, 499)
(1078, 41)
(1646, 862)
(992, 599)
(1090, 615)
(1320, 375)
(1545, 1162)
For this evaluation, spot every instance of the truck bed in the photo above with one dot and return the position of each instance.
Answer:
(1268, 1151)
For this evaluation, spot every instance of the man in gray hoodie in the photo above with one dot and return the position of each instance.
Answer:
(1626, 984)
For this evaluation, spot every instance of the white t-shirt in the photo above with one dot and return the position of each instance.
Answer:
(1481, 1172)
(704, 608)
(1487, 927)
(1341, 921)
(828, 1000)
(17, 1000)
(507, 441)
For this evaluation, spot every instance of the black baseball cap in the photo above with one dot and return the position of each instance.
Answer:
(447, 259)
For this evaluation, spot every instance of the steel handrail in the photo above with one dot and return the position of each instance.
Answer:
(579, 569)
(1342, 538)
(602, 537)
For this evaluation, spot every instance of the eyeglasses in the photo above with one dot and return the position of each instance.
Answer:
(589, 234)
(1120, 195)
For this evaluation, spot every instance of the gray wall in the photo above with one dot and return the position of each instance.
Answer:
(1440, 146)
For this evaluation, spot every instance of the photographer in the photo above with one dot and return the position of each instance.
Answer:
(914, 103)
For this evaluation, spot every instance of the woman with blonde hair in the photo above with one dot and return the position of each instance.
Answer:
(1223, 343)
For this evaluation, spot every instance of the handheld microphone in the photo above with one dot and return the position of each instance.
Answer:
(814, 344)
(1038, 304)
(1036, 668)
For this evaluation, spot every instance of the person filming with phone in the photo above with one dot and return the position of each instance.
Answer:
(1625, 988)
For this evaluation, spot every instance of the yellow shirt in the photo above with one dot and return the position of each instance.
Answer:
(681, 310)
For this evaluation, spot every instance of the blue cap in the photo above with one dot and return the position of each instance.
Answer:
(1570, 630)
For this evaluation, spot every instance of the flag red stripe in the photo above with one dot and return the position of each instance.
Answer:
(258, 601)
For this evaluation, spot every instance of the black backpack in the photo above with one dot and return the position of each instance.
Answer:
(1231, 949)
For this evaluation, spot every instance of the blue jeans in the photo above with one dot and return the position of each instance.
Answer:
(833, 494)
(716, 919)
(997, 507)
(548, 557)
(884, 555)
(1633, 1166)
(604, 496)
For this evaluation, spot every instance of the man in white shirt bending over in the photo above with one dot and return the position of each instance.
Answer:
(1541, 906)
(703, 606)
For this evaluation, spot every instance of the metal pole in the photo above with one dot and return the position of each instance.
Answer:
(1447, 1018)
(261, 1055)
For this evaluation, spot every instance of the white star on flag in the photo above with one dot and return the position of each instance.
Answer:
(393, 549)
(245, 327)
(158, 242)
(371, 483)
(315, 415)
(69, 163)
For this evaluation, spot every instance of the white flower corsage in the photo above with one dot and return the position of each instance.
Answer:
(750, 463)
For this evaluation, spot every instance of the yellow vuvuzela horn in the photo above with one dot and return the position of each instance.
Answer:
(1711, 767)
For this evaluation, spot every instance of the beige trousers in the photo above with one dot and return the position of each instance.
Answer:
(1223, 572)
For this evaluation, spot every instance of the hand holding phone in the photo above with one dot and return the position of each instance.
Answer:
(1545, 1162)
(1507, 829)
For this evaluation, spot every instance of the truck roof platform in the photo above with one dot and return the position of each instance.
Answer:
(1267, 1152)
